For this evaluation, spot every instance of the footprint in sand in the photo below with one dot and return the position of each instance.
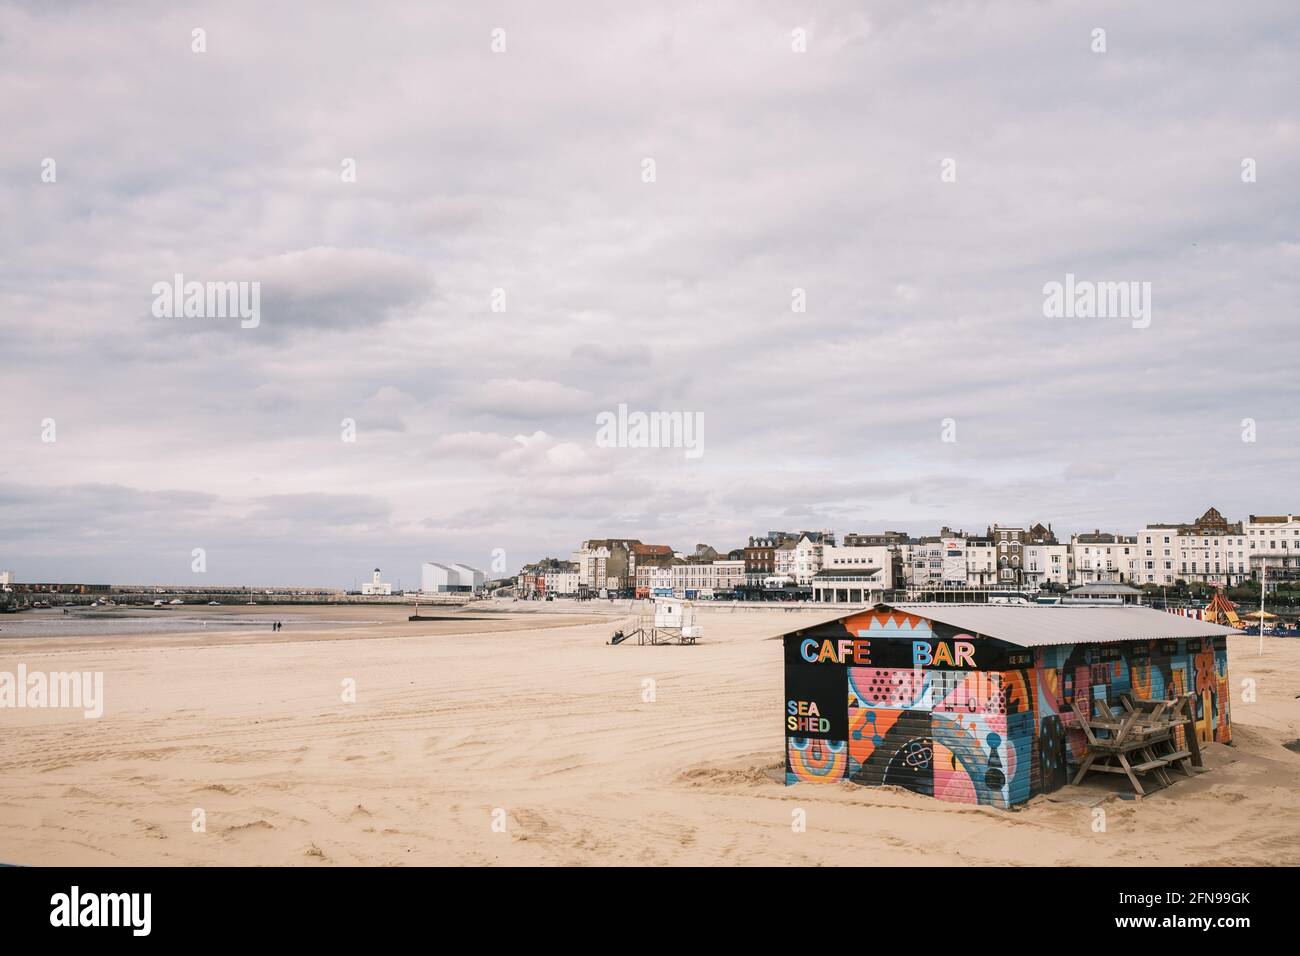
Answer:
(244, 827)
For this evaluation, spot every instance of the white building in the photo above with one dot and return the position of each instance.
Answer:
(861, 558)
(438, 578)
(852, 586)
(982, 563)
(1046, 564)
(800, 560)
(471, 577)
(952, 552)
(808, 555)
(1208, 551)
(862, 585)
(1103, 557)
(6, 578)
(785, 560)
(376, 586)
(941, 562)
(731, 573)
(655, 577)
(1273, 548)
(926, 564)
(697, 576)
(561, 583)
(693, 577)
(592, 565)
(951, 559)
(807, 560)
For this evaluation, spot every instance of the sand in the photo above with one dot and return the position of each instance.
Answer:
(531, 721)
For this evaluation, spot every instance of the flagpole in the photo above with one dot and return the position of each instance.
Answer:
(1263, 574)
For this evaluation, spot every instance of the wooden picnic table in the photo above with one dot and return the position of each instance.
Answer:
(1182, 714)
(1139, 741)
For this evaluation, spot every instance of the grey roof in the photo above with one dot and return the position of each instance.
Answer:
(1043, 625)
(1103, 587)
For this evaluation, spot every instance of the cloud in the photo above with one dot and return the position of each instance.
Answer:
(776, 171)
(528, 399)
(1088, 471)
(332, 289)
(473, 444)
(540, 451)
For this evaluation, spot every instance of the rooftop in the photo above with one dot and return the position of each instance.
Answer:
(1047, 625)
(1044, 625)
(1103, 588)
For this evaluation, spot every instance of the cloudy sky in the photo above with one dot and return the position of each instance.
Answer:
(524, 171)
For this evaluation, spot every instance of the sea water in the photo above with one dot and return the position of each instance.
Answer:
(85, 622)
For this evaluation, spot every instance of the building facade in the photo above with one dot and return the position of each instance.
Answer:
(982, 564)
(559, 583)
(760, 557)
(1273, 548)
(376, 586)
(1100, 556)
(436, 578)
(1046, 564)
(857, 557)
(1209, 550)
(853, 585)
(1010, 543)
(979, 704)
(607, 563)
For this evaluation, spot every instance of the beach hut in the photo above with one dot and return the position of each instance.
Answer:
(972, 702)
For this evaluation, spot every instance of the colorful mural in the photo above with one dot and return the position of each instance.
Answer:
(816, 760)
(992, 735)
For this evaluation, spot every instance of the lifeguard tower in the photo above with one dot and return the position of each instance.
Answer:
(664, 621)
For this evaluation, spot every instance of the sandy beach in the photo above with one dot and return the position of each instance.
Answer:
(596, 755)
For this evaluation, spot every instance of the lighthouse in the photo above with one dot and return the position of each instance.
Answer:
(376, 586)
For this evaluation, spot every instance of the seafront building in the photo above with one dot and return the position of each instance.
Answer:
(376, 586)
(550, 576)
(760, 558)
(1209, 550)
(609, 564)
(1029, 557)
(864, 585)
(1273, 548)
(1046, 561)
(437, 578)
(1100, 556)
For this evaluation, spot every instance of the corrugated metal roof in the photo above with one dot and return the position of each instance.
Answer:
(1041, 625)
(1103, 587)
